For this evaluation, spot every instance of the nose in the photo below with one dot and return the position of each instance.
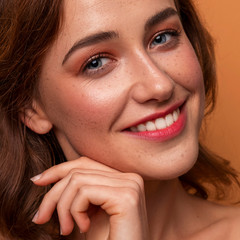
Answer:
(151, 83)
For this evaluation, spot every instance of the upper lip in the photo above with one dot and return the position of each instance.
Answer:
(156, 115)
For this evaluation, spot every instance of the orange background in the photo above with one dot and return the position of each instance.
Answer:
(223, 20)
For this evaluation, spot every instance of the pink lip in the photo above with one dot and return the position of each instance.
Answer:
(163, 134)
(157, 115)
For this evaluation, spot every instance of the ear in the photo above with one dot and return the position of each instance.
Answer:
(36, 119)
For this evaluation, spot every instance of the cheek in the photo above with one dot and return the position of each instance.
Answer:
(191, 77)
(74, 104)
(184, 68)
(191, 74)
(190, 70)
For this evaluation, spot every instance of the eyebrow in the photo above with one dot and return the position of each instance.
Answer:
(90, 40)
(104, 36)
(160, 17)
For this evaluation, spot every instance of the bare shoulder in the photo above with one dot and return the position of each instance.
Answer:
(231, 222)
(219, 222)
(226, 224)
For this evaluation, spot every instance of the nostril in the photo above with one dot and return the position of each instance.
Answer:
(153, 91)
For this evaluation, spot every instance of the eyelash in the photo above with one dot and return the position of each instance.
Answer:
(99, 56)
(174, 38)
(172, 42)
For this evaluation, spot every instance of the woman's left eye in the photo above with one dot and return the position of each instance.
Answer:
(164, 38)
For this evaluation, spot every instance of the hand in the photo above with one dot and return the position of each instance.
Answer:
(82, 183)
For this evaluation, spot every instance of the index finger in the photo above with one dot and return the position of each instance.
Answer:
(59, 171)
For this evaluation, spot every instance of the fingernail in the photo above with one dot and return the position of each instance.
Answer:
(35, 217)
(61, 231)
(35, 178)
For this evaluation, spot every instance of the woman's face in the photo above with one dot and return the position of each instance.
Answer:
(122, 85)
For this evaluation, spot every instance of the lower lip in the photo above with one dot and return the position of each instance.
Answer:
(164, 134)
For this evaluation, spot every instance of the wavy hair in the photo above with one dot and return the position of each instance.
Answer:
(28, 28)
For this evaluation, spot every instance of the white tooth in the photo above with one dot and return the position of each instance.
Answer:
(160, 123)
(141, 128)
(169, 120)
(175, 116)
(178, 111)
(151, 126)
(133, 129)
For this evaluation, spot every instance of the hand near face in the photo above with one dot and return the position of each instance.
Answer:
(83, 184)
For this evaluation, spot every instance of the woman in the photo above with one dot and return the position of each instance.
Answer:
(113, 94)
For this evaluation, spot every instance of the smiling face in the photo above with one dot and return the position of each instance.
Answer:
(123, 86)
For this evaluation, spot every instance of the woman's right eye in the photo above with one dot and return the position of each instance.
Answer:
(96, 64)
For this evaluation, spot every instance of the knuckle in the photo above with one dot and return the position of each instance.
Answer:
(131, 197)
(134, 185)
(81, 161)
(60, 207)
(73, 170)
(137, 178)
(83, 191)
(75, 178)
(73, 210)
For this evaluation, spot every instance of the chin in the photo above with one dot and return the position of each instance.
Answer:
(174, 167)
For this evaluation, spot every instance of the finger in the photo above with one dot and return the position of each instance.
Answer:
(64, 212)
(57, 172)
(63, 192)
(75, 183)
(96, 195)
(116, 202)
(49, 203)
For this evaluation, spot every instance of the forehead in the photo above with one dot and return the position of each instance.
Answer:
(92, 15)
(82, 18)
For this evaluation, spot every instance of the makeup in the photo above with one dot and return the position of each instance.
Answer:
(160, 127)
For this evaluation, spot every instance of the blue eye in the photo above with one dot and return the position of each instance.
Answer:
(97, 63)
(161, 39)
(167, 39)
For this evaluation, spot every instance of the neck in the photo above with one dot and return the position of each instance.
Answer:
(164, 202)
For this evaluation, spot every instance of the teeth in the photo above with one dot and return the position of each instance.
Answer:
(169, 119)
(175, 116)
(158, 124)
(141, 128)
(151, 126)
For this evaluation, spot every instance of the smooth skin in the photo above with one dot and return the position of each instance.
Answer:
(114, 185)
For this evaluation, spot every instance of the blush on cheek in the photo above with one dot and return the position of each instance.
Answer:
(97, 103)
(191, 71)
